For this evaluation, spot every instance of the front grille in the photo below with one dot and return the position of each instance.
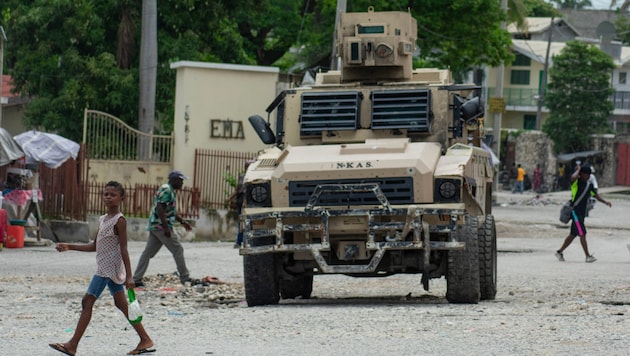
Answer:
(397, 190)
(329, 111)
(402, 109)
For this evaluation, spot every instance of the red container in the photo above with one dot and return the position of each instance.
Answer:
(15, 237)
(3, 225)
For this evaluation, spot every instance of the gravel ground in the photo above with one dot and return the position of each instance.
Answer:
(543, 307)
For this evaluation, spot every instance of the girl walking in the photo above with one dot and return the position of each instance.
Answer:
(113, 270)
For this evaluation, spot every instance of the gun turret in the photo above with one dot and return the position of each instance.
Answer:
(376, 45)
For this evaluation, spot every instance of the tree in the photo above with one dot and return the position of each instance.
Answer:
(447, 40)
(625, 5)
(62, 55)
(578, 96)
(622, 25)
(540, 8)
(67, 55)
(444, 40)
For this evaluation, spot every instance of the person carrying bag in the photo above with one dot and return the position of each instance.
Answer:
(583, 187)
(567, 208)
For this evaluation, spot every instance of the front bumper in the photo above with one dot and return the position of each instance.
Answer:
(412, 219)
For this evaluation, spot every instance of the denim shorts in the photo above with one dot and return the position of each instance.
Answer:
(98, 283)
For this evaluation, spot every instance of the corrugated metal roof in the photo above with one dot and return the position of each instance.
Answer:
(539, 25)
(536, 50)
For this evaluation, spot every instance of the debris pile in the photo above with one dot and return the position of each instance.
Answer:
(208, 292)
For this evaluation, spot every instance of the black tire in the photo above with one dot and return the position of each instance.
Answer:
(488, 259)
(462, 279)
(299, 286)
(261, 279)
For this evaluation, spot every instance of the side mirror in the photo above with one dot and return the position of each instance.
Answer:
(263, 129)
(471, 109)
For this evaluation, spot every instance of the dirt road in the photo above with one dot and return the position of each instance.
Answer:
(543, 307)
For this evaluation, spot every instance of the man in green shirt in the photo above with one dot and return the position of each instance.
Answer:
(163, 217)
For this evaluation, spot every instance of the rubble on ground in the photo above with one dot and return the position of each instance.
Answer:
(208, 291)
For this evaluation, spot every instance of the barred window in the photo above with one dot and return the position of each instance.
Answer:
(520, 77)
(521, 60)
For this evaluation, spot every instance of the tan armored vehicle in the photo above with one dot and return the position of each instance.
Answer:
(375, 170)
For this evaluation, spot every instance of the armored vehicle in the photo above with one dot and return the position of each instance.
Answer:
(374, 170)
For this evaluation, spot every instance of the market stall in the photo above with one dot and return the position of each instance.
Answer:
(21, 189)
(10, 152)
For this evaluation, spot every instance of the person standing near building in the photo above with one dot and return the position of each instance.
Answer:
(580, 179)
(537, 183)
(520, 180)
(163, 217)
(113, 271)
(237, 197)
(560, 178)
(512, 175)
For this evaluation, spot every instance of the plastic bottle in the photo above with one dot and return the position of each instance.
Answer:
(135, 312)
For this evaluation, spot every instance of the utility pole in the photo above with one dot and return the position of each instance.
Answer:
(543, 84)
(334, 62)
(498, 115)
(3, 38)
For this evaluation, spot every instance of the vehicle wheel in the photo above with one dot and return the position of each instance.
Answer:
(261, 278)
(299, 286)
(488, 259)
(462, 279)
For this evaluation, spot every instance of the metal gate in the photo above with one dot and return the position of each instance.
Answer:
(623, 164)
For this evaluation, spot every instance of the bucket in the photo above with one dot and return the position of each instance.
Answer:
(15, 237)
(3, 224)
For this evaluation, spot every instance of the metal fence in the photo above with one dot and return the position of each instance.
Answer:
(215, 174)
(70, 195)
(138, 200)
(110, 138)
(63, 189)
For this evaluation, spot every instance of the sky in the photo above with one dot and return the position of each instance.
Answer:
(603, 4)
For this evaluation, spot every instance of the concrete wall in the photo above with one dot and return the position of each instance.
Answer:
(129, 172)
(212, 104)
(535, 147)
(12, 119)
(606, 143)
(211, 226)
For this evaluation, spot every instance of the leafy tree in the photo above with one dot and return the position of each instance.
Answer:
(67, 55)
(540, 8)
(622, 25)
(578, 96)
(623, 5)
(62, 55)
(445, 40)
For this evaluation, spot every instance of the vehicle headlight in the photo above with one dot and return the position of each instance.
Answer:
(259, 195)
(447, 190)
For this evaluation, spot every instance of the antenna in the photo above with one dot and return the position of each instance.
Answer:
(606, 31)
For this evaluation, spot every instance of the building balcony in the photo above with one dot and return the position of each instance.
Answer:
(523, 99)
